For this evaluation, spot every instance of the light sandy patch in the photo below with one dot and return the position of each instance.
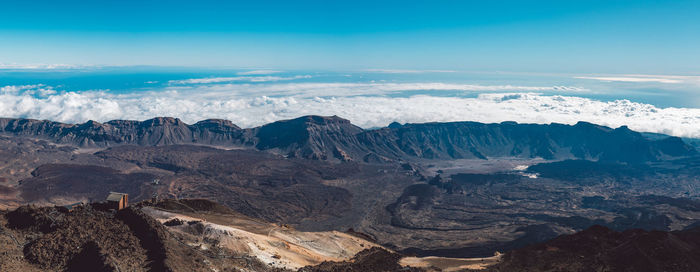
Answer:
(278, 246)
(451, 264)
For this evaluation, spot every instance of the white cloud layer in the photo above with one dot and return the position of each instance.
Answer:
(245, 106)
(312, 89)
(404, 71)
(668, 79)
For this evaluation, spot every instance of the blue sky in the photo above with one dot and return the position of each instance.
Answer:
(657, 37)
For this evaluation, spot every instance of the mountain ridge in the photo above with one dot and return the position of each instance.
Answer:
(337, 139)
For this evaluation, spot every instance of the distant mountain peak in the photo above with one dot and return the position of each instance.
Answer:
(317, 119)
(217, 123)
(584, 124)
(90, 124)
(163, 121)
(394, 125)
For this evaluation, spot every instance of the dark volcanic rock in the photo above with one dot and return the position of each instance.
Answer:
(87, 181)
(601, 249)
(91, 239)
(374, 259)
(91, 258)
(258, 184)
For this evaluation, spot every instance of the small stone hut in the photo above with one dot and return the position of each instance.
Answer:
(117, 201)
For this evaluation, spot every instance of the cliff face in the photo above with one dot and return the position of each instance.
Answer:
(152, 132)
(556, 141)
(334, 138)
(314, 137)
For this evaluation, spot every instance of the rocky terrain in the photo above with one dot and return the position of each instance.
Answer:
(602, 249)
(455, 190)
(91, 239)
(540, 204)
(200, 235)
(175, 235)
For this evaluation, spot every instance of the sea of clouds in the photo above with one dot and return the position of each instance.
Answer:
(365, 104)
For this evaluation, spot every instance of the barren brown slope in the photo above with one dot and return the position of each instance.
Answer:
(601, 249)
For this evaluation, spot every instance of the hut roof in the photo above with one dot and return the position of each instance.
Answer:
(115, 196)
